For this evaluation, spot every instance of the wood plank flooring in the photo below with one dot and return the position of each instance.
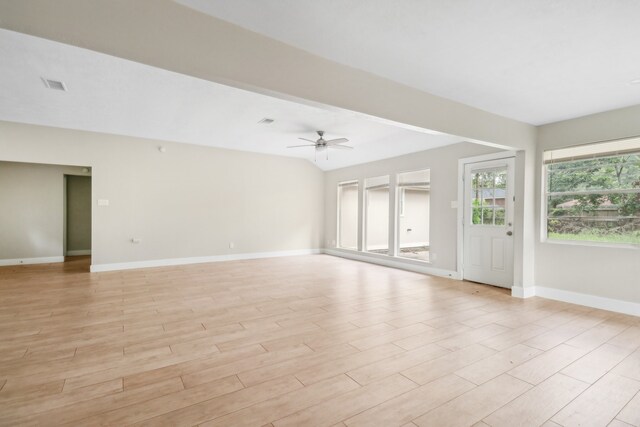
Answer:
(310, 340)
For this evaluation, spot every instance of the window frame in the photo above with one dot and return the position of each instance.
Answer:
(544, 211)
(392, 185)
(506, 208)
(400, 192)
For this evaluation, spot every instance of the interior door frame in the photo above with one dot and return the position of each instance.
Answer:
(461, 200)
(65, 213)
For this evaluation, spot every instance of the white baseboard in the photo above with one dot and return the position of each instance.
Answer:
(402, 264)
(79, 252)
(520, 292)
(413, 245)
(610, 304)
(402, 246)
(25, 261)
(594, 301)
(197, 260)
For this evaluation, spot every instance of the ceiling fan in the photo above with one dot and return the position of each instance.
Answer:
(321, 144)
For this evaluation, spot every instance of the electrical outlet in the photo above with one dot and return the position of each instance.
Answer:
(433, 256)
(231, 245)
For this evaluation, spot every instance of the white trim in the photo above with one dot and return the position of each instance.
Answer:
(79, 252)
(413, 244)
(610, 304)
(491, 156)
(25, 261)
(378, 247)
(632, 246)
(394, 262)
(394, 223)
(520, 292)
(603, 303)
(197, 260)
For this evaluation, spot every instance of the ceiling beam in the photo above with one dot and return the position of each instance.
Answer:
(167, 35)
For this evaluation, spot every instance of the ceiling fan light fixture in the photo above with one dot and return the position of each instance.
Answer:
(321, 144)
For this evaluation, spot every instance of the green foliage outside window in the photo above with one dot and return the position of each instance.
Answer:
(594, 199)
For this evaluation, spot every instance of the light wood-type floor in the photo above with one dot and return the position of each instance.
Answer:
(303, 341)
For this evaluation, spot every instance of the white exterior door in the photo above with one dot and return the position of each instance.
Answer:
(488, 222)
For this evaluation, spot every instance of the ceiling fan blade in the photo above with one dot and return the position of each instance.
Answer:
(308, 140)
(337, 141)
(341, 147)
(305, 145)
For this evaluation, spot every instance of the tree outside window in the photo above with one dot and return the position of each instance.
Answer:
(594, 198)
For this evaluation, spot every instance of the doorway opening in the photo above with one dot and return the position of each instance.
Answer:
(77, 217)
(38, 224)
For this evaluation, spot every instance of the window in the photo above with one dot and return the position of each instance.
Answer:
(413, 214)
(488, 193)
(377, 215)
(592, 192)
(348, 215)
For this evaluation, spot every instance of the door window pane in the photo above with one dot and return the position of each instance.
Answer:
(414, 197)
(348, 215)
(488, 196)
(377, 215)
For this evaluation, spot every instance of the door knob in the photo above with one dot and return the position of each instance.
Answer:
(509, 233)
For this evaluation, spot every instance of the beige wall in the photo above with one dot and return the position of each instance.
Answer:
(32, 209)
(610, 272)
(189, 201)
(443, 163)
(78, 212)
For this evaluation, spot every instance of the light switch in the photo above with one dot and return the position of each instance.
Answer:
(103, 202)
(454, 204)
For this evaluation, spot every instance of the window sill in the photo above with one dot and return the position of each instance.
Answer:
(381, 256)
(592, 244)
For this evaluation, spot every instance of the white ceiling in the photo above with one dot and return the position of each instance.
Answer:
(537, 61)
(113, 95)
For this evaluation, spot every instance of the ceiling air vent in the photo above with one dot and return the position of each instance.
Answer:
(266, 121)
(54, 84)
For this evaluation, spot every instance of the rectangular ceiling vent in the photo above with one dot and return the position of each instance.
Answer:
(54, 84)
(266, 121)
